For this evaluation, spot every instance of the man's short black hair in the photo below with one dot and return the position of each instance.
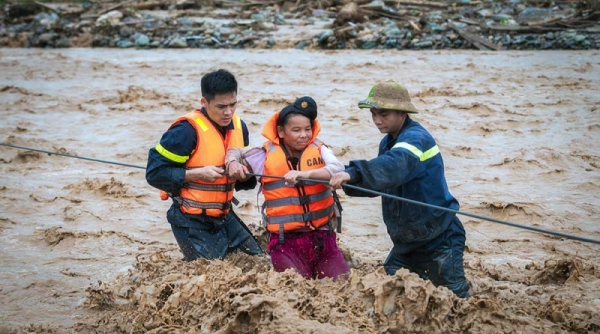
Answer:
(216, 83)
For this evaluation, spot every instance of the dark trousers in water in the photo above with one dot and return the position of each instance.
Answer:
(215, 238)
(440, 261)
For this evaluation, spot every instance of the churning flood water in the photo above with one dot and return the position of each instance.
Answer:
(86, 246)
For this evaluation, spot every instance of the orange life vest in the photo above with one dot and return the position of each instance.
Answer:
(306, 206)
(202, 197)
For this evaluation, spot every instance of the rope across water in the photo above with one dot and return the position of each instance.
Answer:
(493, 220)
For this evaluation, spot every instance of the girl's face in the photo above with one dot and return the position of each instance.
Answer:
(296, 133)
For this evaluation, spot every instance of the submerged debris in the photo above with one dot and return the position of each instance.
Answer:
(242, 295)
(398, 24)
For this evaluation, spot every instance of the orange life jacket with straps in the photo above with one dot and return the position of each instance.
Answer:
(306, 206)
(202, 197)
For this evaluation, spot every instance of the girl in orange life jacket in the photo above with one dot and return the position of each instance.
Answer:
(300, 215)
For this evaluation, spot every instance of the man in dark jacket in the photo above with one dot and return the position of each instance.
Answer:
(427, 241)
(188, 165)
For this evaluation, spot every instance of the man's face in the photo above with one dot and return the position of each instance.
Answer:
(221, 108)
(388, 121)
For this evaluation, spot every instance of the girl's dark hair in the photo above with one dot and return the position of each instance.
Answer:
(282, 121)
(305, 106)
(217, 83)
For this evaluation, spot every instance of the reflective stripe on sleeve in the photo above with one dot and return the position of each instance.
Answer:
(430, 153)
(171, 156)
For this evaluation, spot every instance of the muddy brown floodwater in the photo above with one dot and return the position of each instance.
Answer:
(85, 246)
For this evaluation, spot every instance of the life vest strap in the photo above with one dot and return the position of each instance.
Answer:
(299, 200)
(188, 203)
(274, 185)
(300, 217)
(338, 203)
(209, 187)
(281, 184)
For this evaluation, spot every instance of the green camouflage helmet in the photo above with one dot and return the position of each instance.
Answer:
(389, 95)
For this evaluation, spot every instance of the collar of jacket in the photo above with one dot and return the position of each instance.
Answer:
(391, 140)
(407, 122)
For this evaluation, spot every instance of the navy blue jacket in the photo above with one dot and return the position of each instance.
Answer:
(409, 166)
(167, 175)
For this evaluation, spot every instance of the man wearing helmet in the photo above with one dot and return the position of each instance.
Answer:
(427, 241)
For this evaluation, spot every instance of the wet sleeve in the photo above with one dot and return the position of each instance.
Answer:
(355, 178)
(391, 169)
(233, 154)
(166, 161)
(249, 158)
(332, 164)
(255, 159)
